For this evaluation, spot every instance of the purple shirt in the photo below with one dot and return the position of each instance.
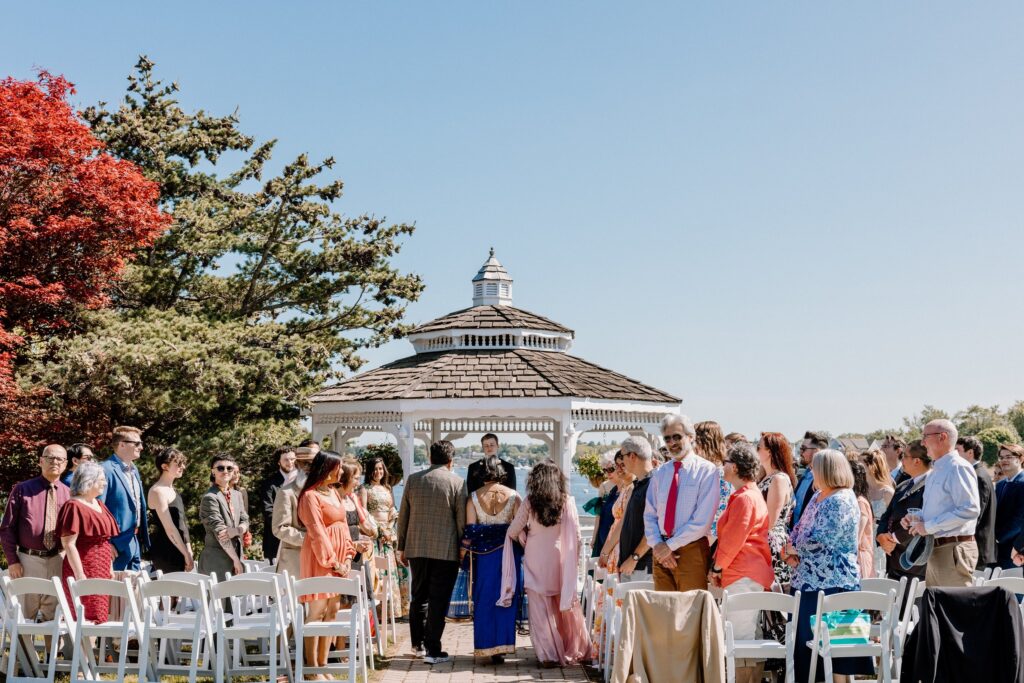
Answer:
(23, 520)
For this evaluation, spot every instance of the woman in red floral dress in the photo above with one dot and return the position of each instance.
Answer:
(85, 527)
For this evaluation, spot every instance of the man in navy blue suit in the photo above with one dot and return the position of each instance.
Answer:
(1009, 502)
(126, 499)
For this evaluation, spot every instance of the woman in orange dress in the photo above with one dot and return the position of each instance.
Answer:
(327, 549)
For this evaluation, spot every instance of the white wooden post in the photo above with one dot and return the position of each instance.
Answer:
(406, 445)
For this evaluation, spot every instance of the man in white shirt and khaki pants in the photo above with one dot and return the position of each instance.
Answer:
(951, 509)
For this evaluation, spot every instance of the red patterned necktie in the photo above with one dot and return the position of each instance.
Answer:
(670, 506)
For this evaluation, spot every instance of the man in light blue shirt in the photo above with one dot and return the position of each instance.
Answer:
(950, 512)
(681, 502)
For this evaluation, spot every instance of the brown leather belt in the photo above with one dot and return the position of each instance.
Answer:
(952, 539)
(38, 553)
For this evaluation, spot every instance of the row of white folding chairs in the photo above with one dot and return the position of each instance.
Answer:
(162, 630)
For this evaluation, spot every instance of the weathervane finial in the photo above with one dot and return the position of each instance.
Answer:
(492, 252)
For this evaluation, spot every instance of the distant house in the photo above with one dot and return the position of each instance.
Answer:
(848, 444)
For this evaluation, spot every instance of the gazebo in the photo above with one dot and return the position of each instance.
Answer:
(490, 368)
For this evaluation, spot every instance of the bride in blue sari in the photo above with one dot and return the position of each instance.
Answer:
(489, 511)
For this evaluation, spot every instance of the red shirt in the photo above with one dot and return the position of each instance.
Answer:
(743, 539)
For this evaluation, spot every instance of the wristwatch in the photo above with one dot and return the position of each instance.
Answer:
(636, 558)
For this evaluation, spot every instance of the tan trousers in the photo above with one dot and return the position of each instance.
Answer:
(690, 572)
(952, 565)
(40, 568)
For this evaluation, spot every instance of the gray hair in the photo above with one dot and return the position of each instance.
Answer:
(682, 420)
(744, 459)
(85, 477)
(947, 427)
(638, 445)
(607, 459)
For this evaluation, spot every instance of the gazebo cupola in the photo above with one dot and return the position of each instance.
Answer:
(492, 322)
(491, 367)
(492, 285)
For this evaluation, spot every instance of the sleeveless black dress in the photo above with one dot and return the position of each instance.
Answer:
(162, 552)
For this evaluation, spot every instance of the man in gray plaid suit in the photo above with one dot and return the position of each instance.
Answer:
(430, 527)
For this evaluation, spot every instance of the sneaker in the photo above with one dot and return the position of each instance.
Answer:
(439, 658)
(418, 652)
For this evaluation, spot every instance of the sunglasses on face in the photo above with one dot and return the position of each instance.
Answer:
(225, 468)
(137, 444)
(608, 470)
(673, 437)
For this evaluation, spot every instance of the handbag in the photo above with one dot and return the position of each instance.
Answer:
(846, 627)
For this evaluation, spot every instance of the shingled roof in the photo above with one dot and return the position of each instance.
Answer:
(491, 374)
(491, 317)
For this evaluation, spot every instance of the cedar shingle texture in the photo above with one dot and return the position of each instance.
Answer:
(518, 373)
(491, 317)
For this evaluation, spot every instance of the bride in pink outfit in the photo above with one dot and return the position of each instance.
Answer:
(548, 528)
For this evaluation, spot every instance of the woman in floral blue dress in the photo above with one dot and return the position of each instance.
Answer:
(823, 555)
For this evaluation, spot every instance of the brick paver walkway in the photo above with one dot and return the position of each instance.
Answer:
(458, 642)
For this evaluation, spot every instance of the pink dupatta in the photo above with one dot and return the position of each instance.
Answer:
(569, 540)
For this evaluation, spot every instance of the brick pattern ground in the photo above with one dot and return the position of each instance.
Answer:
(458, 642)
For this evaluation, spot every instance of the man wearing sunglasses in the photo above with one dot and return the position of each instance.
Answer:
(125, 498)
(812, 443)
(681, 501)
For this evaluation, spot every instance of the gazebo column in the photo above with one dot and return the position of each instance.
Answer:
(435, 432)
(406, 444)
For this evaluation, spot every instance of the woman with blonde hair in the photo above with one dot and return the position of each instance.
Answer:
(710, 445)
(880, 484)
(823, 555)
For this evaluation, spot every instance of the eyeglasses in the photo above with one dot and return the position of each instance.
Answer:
(673, 437)
(925, 435)
(808, 448)
(225, 468)
(137, 444)
(54, 460)
(1008, 456)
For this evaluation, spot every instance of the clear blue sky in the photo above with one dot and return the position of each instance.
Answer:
(797, 215)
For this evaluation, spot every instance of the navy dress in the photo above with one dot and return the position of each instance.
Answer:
(604, 522)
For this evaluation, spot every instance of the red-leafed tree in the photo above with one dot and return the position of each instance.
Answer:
(70, 217)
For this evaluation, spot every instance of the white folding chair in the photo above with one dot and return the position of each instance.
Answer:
(388, 609)
(1012, 584)
(765, 601)
(586, 597)
(185, 605)
(1016, 572)
(257, 565)
(906, 623)
(163, 631)
(234, 630)
(615, 630)
(21, 632)
(607, 610)
(853, 600)
(882, 585)
(982, 575)
(363, 613)
(348, 623)
(122, 628)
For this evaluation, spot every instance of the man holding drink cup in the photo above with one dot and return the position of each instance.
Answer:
(950, 512)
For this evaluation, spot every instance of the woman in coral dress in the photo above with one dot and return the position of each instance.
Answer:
(85, 527)
(327, 549)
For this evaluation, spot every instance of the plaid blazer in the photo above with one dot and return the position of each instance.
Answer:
(433, 514)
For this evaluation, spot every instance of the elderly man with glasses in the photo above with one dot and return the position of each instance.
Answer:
(29, 529)
(950, 511)
(682, 498)
(125, 498)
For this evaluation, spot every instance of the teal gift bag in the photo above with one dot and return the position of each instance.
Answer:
(846, 627)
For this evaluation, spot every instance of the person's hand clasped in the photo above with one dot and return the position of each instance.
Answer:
(1018, 559)
(627, 567)
(663, 555)
(886, 543)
